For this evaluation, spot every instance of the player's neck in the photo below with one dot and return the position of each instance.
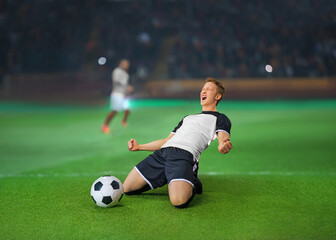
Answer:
(209, 108)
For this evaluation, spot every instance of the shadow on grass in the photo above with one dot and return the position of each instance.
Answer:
(217, 190)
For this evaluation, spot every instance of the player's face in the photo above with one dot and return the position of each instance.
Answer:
(209, 94)
(124, 64)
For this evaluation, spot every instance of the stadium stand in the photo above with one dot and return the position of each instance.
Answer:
(218, 38)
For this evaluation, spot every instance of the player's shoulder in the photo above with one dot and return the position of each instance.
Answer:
(221, 117)
(224, 118)
(120, 70)
(216, 114)
(117, 71)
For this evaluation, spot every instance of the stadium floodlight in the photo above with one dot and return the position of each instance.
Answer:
(269, 68)
(102, 60)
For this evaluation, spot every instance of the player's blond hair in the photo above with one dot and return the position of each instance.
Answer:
(219, 85)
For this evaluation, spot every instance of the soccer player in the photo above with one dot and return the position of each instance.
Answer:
(118, 99)
(175, 160)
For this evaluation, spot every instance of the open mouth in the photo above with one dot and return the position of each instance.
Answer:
(204, 97)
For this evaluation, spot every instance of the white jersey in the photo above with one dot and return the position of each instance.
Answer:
(120, 82)
(195, 132)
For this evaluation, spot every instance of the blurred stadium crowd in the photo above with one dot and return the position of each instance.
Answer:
(193, 39)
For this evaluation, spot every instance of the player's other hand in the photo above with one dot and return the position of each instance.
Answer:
(225, 146)
(133, 145)
(129, 89)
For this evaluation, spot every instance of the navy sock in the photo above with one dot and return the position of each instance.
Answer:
(139, 191)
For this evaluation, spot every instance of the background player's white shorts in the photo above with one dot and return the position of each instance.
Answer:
(118, 103)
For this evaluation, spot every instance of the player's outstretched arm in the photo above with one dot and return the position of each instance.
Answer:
(133, 145)
(224, 143)
(129, 89)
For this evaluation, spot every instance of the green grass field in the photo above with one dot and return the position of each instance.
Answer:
(278, 182)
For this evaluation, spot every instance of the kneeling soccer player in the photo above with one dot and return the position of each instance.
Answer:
(175, 160)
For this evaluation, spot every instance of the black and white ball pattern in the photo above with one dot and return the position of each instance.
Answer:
(107, 191)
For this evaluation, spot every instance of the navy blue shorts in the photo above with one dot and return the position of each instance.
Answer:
(166, 165)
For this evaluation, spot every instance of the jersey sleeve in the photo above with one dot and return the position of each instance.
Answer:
(178, 126)
(223, 124)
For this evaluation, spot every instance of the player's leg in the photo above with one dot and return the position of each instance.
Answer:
(181, 177)
(124, 121)
(105, 128)
(181, 193)
(115, 107)
(109, 117)
(125, 106)
(146, 175)
(135, 184)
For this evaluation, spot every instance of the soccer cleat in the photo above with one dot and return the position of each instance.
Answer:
(198, 186)
(105, 129)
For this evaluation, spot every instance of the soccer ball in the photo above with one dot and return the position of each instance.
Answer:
(107, 191)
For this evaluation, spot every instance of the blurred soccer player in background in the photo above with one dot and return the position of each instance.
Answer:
(175, 160)
(120, 90)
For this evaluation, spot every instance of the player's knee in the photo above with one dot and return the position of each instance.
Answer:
(181, 202)
(184, 205)
(127, 188)
(177, 200)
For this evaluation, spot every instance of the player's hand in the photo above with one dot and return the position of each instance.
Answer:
(129, 89)
(133, 145)
(225, 146)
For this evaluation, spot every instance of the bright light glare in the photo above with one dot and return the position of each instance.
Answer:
(101, 60)
(269, 68)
